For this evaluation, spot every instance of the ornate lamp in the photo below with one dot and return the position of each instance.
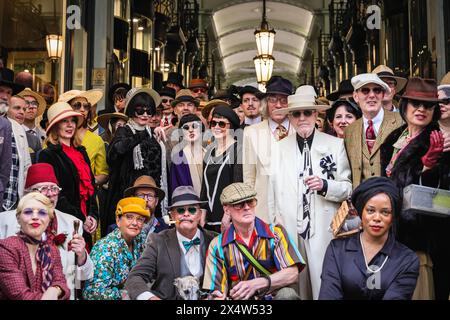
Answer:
(54, 44)
(265, 36)
(263, 67)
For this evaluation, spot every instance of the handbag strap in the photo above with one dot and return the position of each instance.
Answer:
(252, 259)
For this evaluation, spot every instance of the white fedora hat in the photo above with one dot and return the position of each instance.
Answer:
(305, 98)
(92, 96)
(362, 79)
(60, 111)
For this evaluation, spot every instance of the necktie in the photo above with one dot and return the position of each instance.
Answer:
(166, 122)
(188, 244)
(32, 132)
(307, 171)
(281, 132)
(370, 136)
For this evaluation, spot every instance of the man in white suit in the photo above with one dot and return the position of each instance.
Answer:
(311, 177)
(260, 138)
(41, 178)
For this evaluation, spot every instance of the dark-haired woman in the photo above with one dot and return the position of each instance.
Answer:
(371, 265)
(134, 150)
(222, 165)
(407, 154)
(343, 112)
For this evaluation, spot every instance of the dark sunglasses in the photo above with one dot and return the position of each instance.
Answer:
(251, 203)
(194, 126)
(426, 104)
(182, 210)
(297, 114)
(166, 100)
(222, 124)
(376, 90)
(77, 106)
(445, 101)
(140, 110)
(198, 90)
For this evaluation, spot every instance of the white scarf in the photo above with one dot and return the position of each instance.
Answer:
(137, 153)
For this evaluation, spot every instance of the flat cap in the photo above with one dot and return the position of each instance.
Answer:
(236, 193)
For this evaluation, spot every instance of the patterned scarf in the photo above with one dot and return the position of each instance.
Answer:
(43, 257)
(307, 171)
(138, 160)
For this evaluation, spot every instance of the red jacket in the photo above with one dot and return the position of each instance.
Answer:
(17, 280)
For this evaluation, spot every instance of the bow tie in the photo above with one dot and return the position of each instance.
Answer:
(188, 244)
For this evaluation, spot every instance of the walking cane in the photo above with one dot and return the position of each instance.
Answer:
(76, 226)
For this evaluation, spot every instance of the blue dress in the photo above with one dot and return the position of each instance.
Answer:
(345, 275)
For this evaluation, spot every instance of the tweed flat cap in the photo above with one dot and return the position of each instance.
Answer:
(236, 193)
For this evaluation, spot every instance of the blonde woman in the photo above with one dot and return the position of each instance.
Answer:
(30, 267)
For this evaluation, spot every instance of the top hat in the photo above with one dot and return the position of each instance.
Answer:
(7, 80)
(174, 78)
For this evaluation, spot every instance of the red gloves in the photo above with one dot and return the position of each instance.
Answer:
(435, 150)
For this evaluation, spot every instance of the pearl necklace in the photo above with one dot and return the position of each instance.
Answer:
(365, 259)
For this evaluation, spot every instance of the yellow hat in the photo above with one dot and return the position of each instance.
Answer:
(132, 205)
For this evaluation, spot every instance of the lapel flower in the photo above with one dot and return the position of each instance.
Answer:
(59, 239)
(328, 166)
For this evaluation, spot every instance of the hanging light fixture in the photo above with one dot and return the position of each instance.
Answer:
(263, 67)
(265, 36)
(54, 44)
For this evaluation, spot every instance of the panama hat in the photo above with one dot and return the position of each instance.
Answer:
(303, 99)
(103, 119)
(385, 72)
(363, 79)
(92, 96)
(40, 99)
(60, 111)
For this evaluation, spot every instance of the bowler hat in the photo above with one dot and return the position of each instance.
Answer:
(236, 193)
(7, 80)
(174, 78)
(345, 87)
(144, 182)
(183, 196)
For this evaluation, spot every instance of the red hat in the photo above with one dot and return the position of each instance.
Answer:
(38, 173)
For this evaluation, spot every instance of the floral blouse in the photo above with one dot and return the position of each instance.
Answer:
(112, 263)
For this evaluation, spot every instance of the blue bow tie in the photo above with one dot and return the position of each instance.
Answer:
(188, 244)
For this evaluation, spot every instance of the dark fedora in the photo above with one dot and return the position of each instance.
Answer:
(174, 78)
(144, 182)
(421, 90)
(278, 85)
(7, 80)
(345, 87)
(183, 196)
(251, 90)
(168, 92)
(114, 88)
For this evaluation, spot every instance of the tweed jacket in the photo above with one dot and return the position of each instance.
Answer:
(363, 164)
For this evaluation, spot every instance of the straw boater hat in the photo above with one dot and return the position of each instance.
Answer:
(303, 99)
(41, 101)
(445, 82)
(92, 96)
(103, 120)
(206, 110)
(385, 72)
(144, 182)
(60, 111)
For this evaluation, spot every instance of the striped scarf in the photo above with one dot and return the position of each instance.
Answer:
(43, 257)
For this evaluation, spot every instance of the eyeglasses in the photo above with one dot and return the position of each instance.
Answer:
(275, 99)
(376, 90)
(29, 212)
(139, 219)
(222, 124)
(194, 126)
(78, 105)
(298, 114)
(182, 210)
(426, 104)
(33, 103)
(166, 100)
(47, 189)
(140, 110)
(199, 90)
(146, 196)
(251, 203)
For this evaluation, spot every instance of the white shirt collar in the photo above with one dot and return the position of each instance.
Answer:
(182, 238)
(251, 121)
(377, 121)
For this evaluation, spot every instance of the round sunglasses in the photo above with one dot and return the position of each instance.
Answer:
(194, 126)
(182, 210)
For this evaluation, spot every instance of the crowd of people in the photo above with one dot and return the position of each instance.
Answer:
(178, 195)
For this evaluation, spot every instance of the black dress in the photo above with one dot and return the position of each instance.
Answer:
(219, 172)
(122, 170)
